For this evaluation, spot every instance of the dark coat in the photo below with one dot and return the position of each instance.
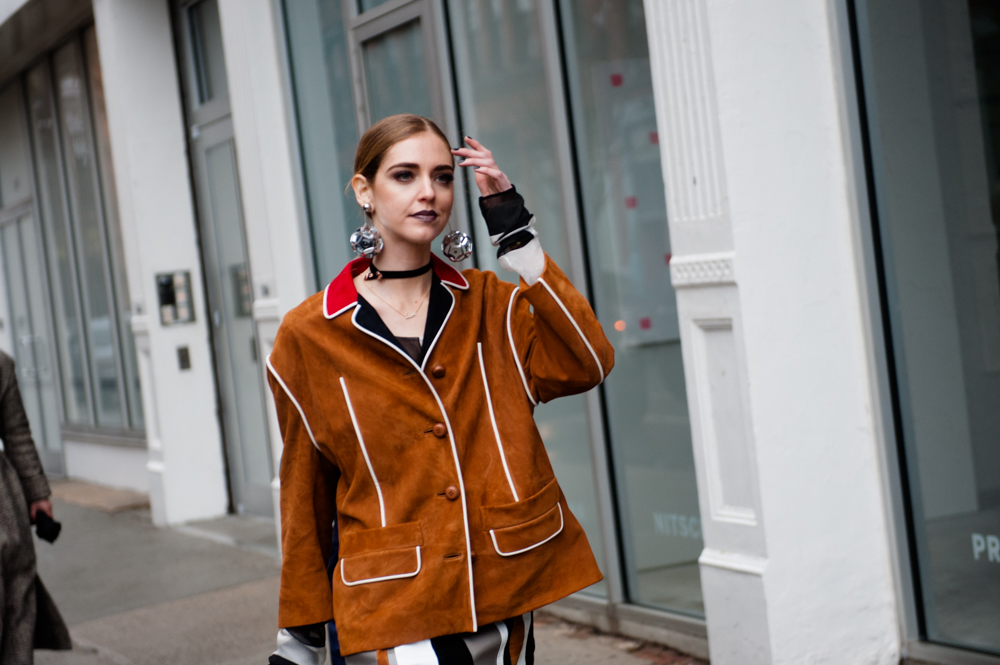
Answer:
(22, 482)
(448, 512)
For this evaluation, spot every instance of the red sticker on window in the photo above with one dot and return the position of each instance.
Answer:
(645, 323)
(617, 80)
(631, 202)
(654, 138)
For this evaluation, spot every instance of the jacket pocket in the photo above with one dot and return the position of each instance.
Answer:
(518, 527)
(379, 555)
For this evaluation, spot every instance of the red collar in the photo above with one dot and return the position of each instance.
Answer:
(341, 295)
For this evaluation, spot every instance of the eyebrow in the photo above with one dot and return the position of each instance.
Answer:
(408, 165)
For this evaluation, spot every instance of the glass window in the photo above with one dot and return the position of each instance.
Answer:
(15, 175)
(624, 208)
(116, 249)
(209, 60)
(395, 73)
(321, 75)
(931, 77)
(365, 5)
(82, 236)
(62, 270)
(85, 209)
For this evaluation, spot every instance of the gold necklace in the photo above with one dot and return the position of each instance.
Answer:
(405, 316)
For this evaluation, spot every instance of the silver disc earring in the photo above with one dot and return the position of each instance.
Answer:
(457, 246)
(366, 241)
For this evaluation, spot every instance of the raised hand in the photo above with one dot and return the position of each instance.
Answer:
(489, 178)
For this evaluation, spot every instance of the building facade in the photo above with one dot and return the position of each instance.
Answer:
(786, 215)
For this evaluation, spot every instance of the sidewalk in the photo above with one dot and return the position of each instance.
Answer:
(207, 593)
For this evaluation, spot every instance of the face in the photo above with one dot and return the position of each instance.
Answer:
(413, 190)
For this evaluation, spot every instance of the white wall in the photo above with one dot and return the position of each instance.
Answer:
(185, 466)
(113, 466)
(796, 567)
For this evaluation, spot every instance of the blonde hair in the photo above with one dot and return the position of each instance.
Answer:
(386, 133)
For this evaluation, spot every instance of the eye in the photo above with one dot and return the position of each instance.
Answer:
(446, 178)
(403, 176)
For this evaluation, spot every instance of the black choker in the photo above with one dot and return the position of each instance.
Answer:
(375, 273)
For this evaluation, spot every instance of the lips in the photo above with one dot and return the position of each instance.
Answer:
(425, 215)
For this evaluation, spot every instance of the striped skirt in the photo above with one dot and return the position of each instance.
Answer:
(510, 642)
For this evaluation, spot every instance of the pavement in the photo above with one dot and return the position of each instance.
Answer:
(207, 593)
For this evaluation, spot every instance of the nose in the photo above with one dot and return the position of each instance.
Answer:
(427, 188)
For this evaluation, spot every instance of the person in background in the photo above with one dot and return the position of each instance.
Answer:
(28, 617)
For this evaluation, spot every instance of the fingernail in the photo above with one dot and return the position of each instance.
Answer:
(476, 167)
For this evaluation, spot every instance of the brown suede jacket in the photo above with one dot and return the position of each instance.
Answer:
(448, 512)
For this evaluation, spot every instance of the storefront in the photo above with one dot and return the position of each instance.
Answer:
(930, 74)
(785, 215)
(562, 94)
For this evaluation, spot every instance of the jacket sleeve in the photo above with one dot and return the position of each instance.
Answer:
(308, 484)
(18, 444)
(558, 344)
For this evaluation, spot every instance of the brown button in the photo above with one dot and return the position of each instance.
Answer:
(473, 557)
(438, 371)
(452, 493)
(439, 430)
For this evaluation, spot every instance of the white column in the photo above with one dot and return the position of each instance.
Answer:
(263, 123)
(796, 563)
(187, 478)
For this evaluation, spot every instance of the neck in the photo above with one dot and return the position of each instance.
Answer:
(401, 256)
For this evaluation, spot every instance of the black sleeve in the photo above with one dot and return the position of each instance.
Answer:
(508, 221)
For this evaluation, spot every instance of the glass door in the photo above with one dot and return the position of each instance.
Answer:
(224, 256)
(21, 257)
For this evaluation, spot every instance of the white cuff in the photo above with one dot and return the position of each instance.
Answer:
(527, 261)
(300, 653)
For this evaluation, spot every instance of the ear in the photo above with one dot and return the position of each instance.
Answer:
(362, 189)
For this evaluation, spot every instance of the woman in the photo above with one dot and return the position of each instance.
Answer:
(28, 617)
(405, 393)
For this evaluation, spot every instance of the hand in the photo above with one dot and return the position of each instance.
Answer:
(489, 178)
(43, 506)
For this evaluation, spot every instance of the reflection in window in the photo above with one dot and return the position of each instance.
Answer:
(931, 73)
(83, 240)
(626, 223)
(324, 103)
(62, 276)
(396, 73)
(86, 212)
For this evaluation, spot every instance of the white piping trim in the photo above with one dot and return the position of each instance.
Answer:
(502, 628)
(526, 619)
(440, 330)
(364, 450)
(370, 580)
(573, 321)
(454, 449)
(493, 535)
(493, 420)
(517, 359)
(339, 311)
(288, 392)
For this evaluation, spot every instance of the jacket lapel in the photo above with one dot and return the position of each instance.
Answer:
(341, 296)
